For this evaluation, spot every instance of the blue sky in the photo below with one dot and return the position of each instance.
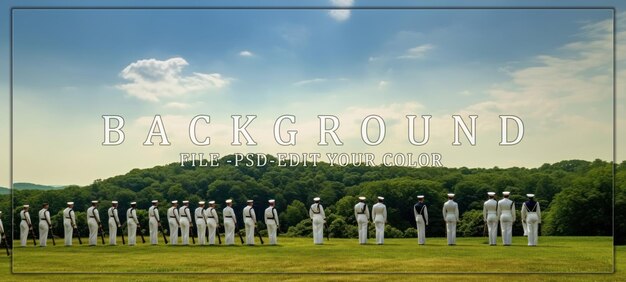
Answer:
(550, 67)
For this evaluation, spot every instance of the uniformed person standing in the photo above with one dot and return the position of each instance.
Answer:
(249, 220)
(93, 222)
(44, 225)
(318, 217)
(379, 215)
(531, 217)
(451, 216)
(25, 225)
(185, 222)
(154, 222)
(230, 221)
(506, 214)
(114, 223)
(201, 222)
(2, 234)
(271, 221)
(213, 222)
(132, 222)
(173, 218)
(69, 223)
(420, 212)
(362, 215)
(490, 216)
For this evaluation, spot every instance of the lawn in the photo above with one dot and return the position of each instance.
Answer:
(399, 256)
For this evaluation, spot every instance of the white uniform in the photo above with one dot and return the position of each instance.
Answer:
(132, 222)
(379, 214)
(212, 223)
(271, 221)
(362, 215)
(114, 220)
(230, 221)
(420, 212)
(249, 220)
(44, 227)
(93, 218)
(153, 224)
(24, 227)
(201, 223)
(173, 218)
(185, 223)
(490, 216)
(2, 234)
(317, 215)
(531, 215)
(69, 221)
(506, 214)
(451, 216)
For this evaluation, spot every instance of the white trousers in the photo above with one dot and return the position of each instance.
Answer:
(132, 232)
(112, 231)
(379, 223)
(318, 229)
(212, 226)
(153, 225)
(173, 231)
(451, 229)
(93, 231)
(421, 230)
(201, 228)
(23, 233)
(69, 231)
(272, 228)
(506, 224)
(43, 233)
(532, 222)
(492, 226)
(361, 221)
(184, 230)
(249, 224)
(229, 231)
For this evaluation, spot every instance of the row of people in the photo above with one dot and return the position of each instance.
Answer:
(207, 221)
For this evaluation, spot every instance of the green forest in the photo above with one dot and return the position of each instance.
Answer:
(576, 196)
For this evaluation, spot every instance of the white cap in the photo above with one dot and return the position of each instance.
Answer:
(0, 212)
(506, 193)
(211, 202)
(113, 202)
(133, 203)
(271, 201)
(174, 202)
(420, 197)
(26, 206)
(229, 201)
(361, 198)
(70, 203)
(491, 193)
(94, 201)
(530, 195)
(185, 202)
(201, 203)
(250, 201)
(155, 201)
(381, 198)
(450, 195)
(316, 199)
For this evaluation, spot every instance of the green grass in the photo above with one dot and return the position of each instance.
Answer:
(555, 254)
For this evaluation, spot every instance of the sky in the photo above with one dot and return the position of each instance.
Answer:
(551, 68)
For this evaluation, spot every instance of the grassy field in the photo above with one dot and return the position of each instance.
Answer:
(555, 254)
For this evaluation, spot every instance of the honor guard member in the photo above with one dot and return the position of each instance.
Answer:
(132, 222)
(213, 221)
(25, 225)
(362, 215)
(154, 222)
(420, 212)
(490, 216)
(173, 218)
(271, 221)
(249, 220)
(114, 223)
(230, 221)
(531, 217)
(2, 234)
(451, 216)
(506, 214)
(318, 217)
(379, 214)
(201, 222)
(185, 222)
(44, 225)
(69, 223)
(93, 222)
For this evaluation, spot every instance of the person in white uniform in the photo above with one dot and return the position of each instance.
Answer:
(249, 221)
(451, 216)
(318, 217)
(69, 223)
(379, 215)
(173, 218)
(44, 225)
(271, 221)
(531, 217)
(154, 222)
(25, 225)
(506, 214)
(490, 217)
(93, 222)
(132, 222)
(114, 223)
(185, 222)
(213, 221)
(230, 221)
(362, 215)
(201, 222)
(420, 212)
(2, 234)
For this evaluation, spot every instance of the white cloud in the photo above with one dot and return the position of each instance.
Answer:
(177, 105)
(417, 51)
(309, 81)
(373, 59)
(343, 14)
(153, 79)
(382, 84)
(246, 53)
(465, 93)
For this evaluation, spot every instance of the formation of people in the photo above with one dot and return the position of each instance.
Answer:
(203, 223)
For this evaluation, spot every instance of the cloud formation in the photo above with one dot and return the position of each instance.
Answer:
(246, 53)
(417, 51)
(341, 15)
